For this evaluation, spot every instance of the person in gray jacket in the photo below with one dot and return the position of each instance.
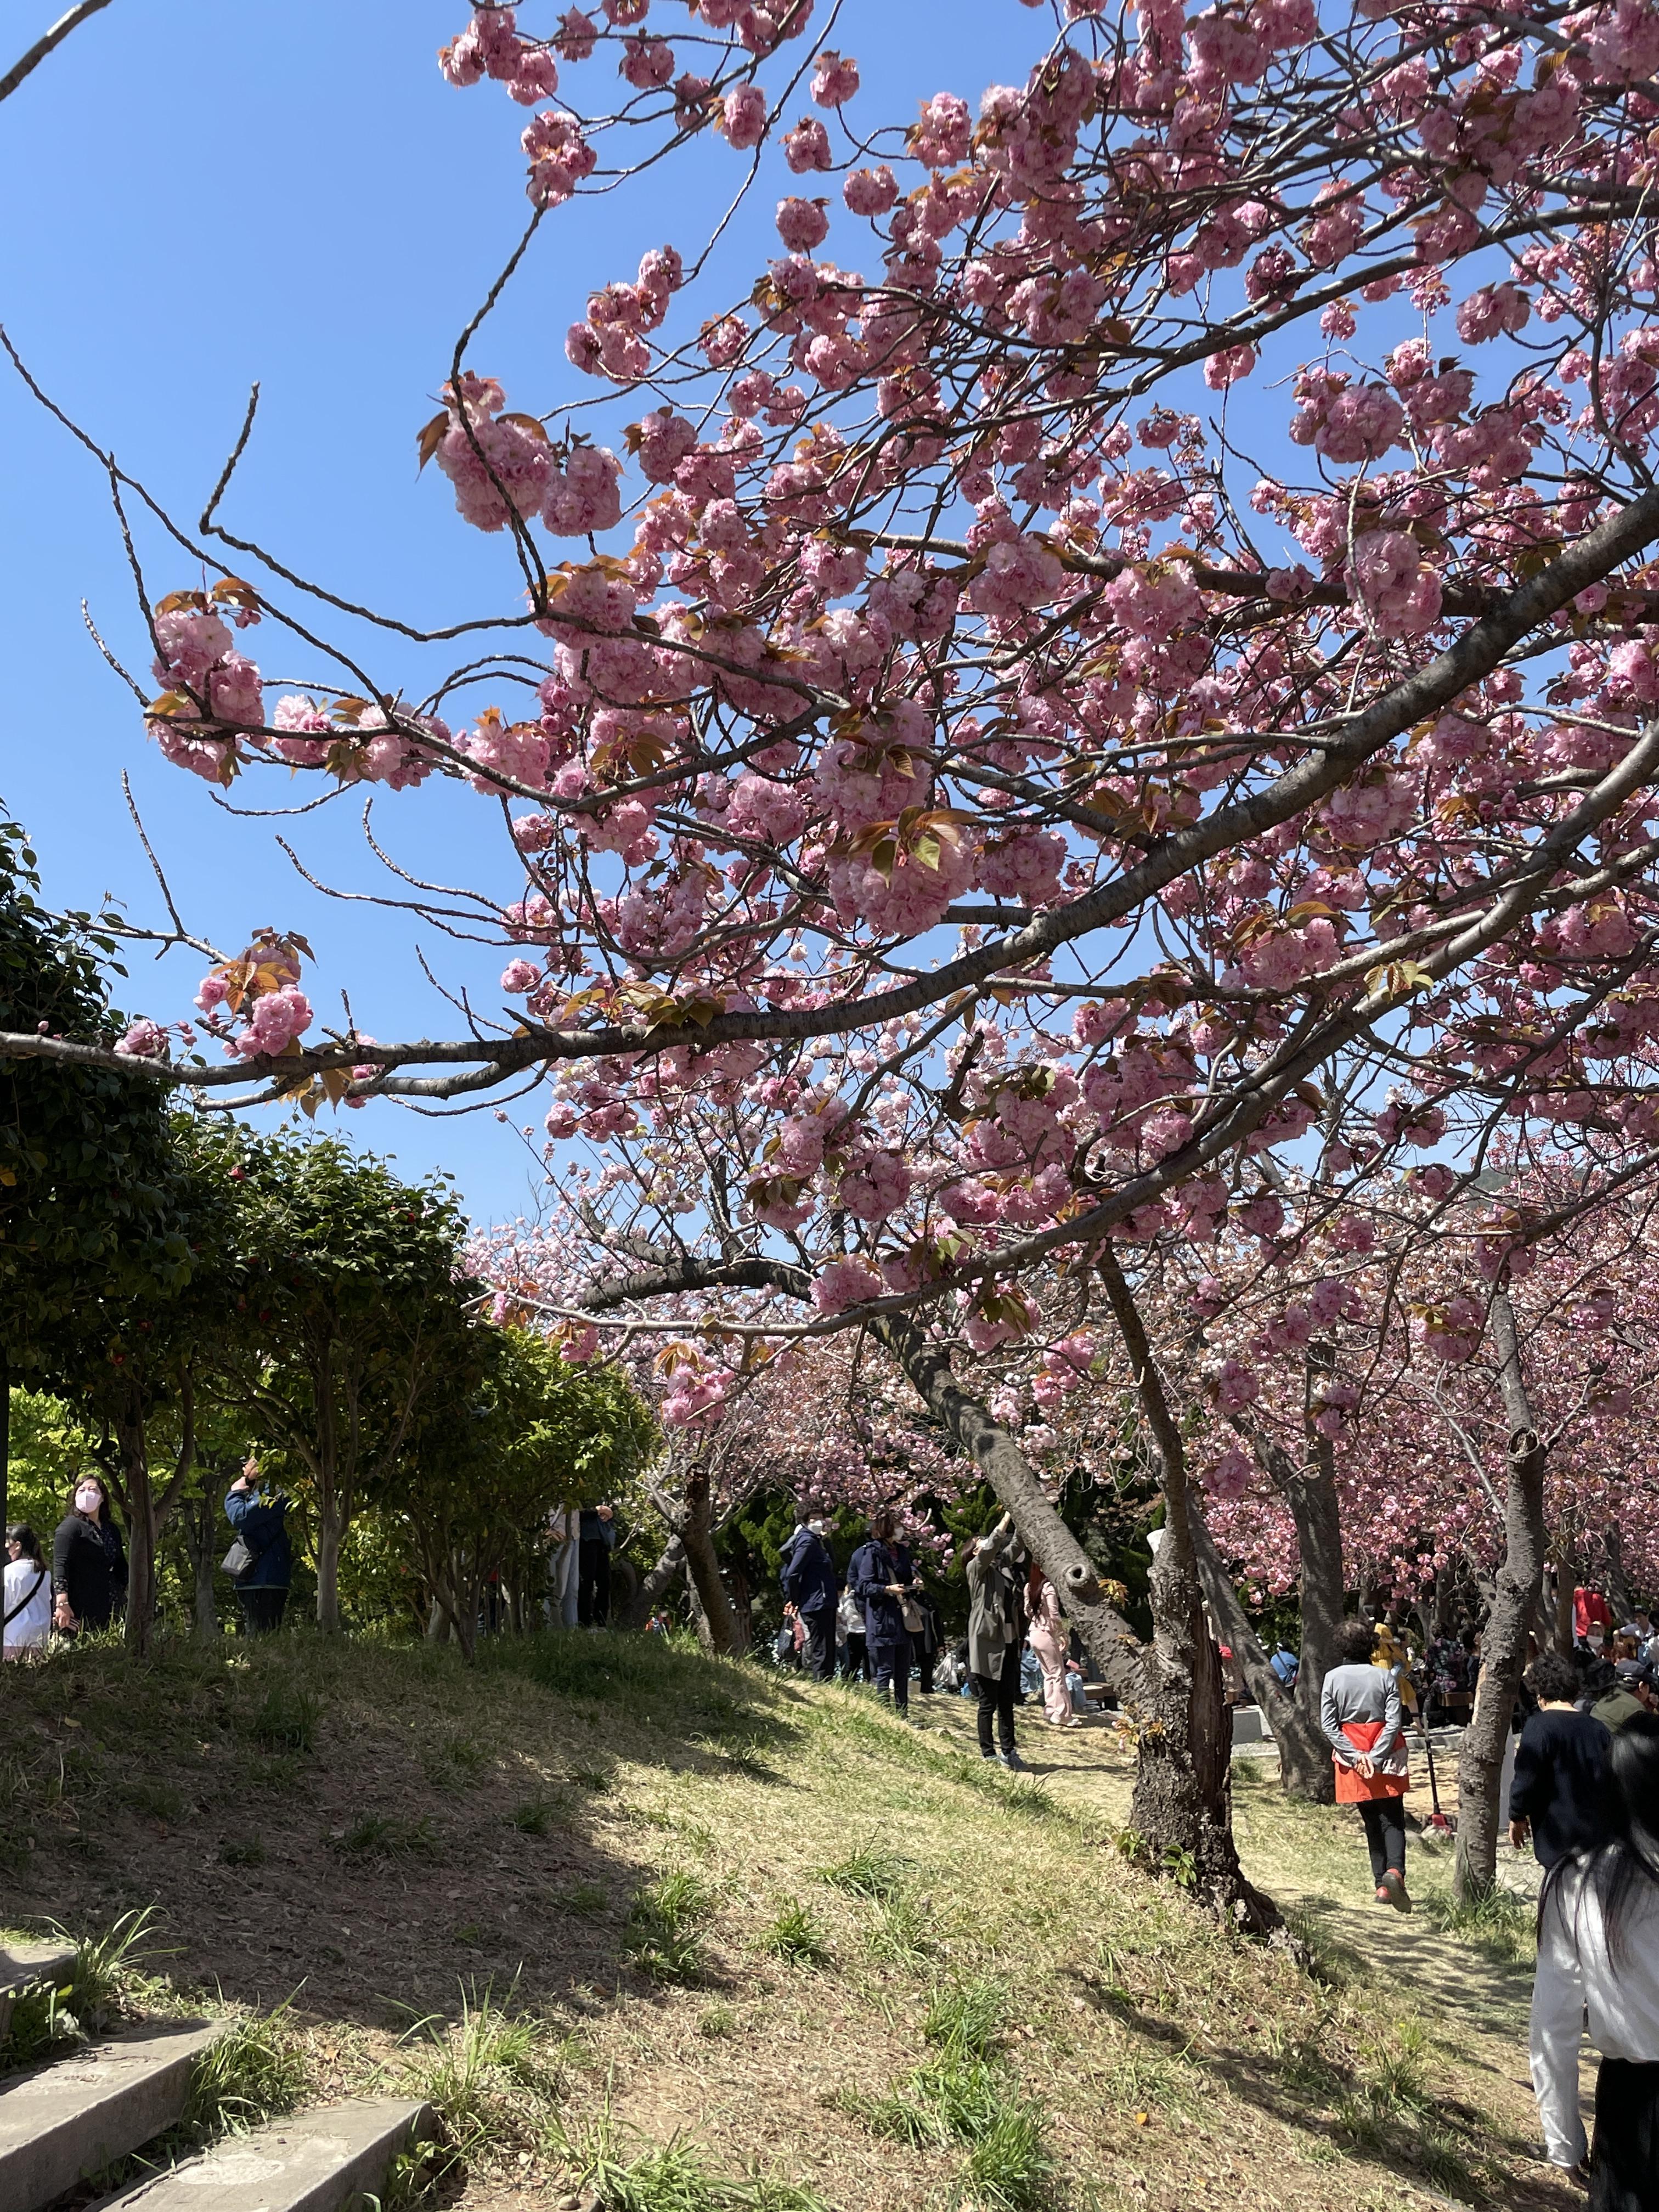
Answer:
(996, 1636)
(1364, 1723)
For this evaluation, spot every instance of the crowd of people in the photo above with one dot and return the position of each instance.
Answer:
(878, 1624)
(84, 1585)
(1581, 1789)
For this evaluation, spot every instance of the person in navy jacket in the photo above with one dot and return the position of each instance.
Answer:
(260, 1517)
(882, 1577)
(812, 1586)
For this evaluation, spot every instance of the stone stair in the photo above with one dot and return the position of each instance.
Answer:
(26, 1966)
(66, 2123)
(316, 2161)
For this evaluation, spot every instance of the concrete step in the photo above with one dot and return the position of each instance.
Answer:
(68, 2121)
(22, 1964)
(316, 2161)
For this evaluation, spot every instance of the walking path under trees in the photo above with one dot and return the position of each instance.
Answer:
(1070, 759)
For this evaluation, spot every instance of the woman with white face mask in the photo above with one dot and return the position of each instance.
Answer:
(89, 1563)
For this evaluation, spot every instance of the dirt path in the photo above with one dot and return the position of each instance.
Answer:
(1312, 1861)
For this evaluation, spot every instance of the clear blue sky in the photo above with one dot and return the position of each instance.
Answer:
(200, 194)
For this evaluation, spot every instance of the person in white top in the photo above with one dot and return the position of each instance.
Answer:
(28, 1603)
(1598, 1950)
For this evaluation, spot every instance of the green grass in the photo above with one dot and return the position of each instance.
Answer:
(536, 1816)
(487, 2075)
(961, 2095)
(678, 2176)
(254, 2071)
(383, 1836)
(286, 1719)
(869, 1871)
(1498, 1924)
(665, 1935)
(795, 1937)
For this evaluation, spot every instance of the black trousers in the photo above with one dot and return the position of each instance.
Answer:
(593, 1582)
(1625, 2154)
(890, 1657)
(858, 1656)
(821, 1643)
(1385, 1834)
(262, 1610)
(996, 1694)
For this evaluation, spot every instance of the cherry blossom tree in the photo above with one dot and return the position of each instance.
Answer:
(1026, 745)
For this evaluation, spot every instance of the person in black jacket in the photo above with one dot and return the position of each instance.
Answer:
(88, 1562)
(882, 1578)
(598, 1541)
(1560, 1787)
(260, 1519)
(810, 1582)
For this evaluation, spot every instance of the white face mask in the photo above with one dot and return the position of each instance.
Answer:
(88, 1498)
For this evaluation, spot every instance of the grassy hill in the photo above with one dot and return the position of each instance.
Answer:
(708, 1938)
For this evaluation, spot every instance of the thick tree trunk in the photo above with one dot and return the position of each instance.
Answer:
(438, 1627)
(5, 1437)
(655, 1585)
(704, 1566)
(1504, 1645)
(1182, 1804)
(1305, 1758)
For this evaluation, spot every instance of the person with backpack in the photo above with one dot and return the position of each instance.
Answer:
(1598, 1951)
(261, 1560)
(27, 1601)
(810, 1583)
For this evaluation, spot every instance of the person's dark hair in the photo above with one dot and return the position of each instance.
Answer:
(1629, 1861)
(20, 1534)
(90, 1474)
(1600, 1676)
(1356, 1640)
(1553, 1679)
(881, 1524)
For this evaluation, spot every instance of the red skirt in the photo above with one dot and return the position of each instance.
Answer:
(1351, 1787)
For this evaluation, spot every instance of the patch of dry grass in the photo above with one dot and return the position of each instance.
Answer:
(719, 1916)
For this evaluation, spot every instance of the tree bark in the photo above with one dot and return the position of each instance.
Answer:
(330, 1535)
(704, 1566)
(1504, 1645)
(1305, 1758)
(139, 1500)
(1182, 1804)
(5, 1437)
(656, 1585)
(1115, 1652)
(198, 1525)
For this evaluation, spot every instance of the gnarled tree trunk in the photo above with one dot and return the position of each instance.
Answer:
(1503, 1643)
(1182, 1802)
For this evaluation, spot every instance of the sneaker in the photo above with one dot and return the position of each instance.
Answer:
(1012, 1761)
(1392, 1888)
(1382, 1897)
(987, 1754)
